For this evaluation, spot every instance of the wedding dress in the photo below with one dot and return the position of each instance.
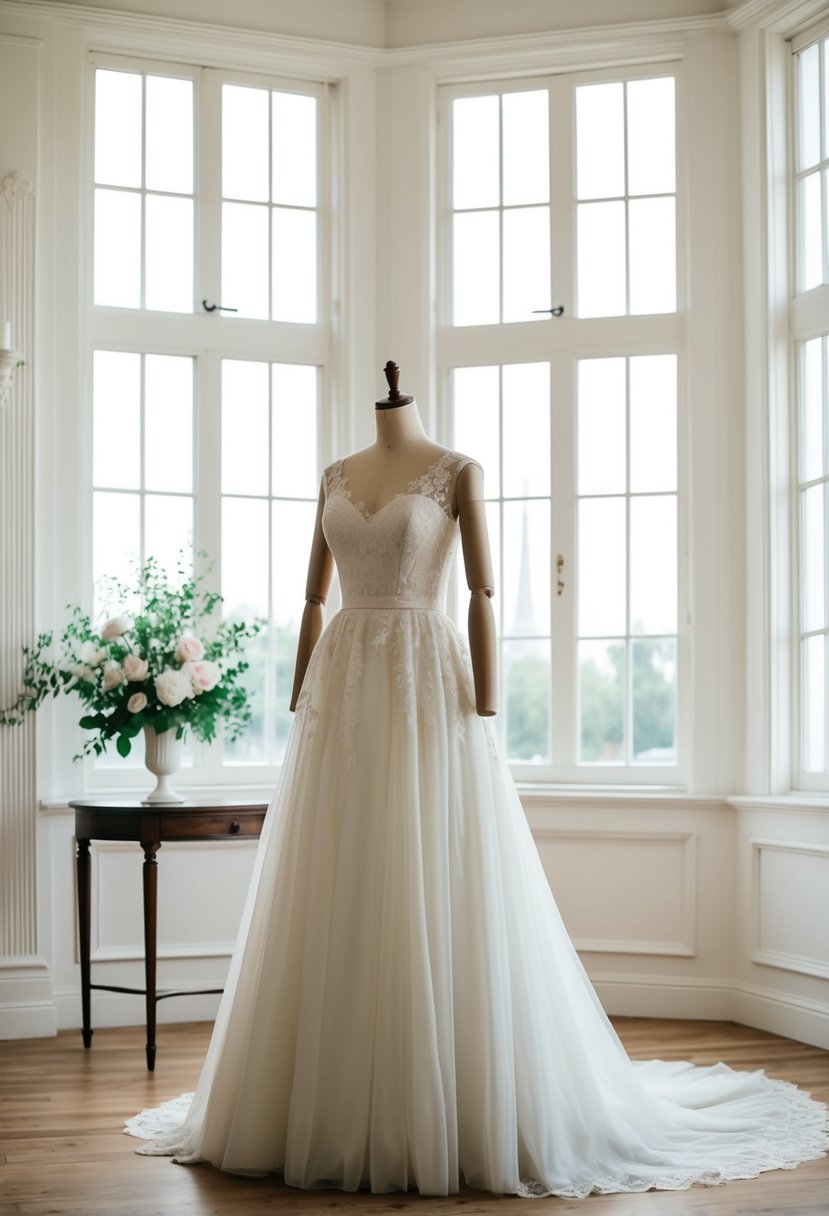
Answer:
(404, 1007)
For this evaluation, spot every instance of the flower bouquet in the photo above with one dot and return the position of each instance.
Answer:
(163, 668)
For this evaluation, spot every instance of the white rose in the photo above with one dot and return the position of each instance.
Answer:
(136, 702)
(135, 668)
(92, 654)
(204, 675)
(189, 649)
(173, 687)
(116, 627)
(113, 675)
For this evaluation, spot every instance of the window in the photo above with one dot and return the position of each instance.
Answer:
(208, 346)
(561, 202)
(810, 315)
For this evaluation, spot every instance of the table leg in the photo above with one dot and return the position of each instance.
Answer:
(150, 928)
(84, 923)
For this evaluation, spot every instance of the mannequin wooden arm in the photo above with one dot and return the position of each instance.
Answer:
(320, 571)
(479, 578)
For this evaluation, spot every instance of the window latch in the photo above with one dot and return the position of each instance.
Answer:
(555, 312)
(216, 307)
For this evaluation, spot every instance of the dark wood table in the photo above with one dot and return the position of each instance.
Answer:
(214, 818)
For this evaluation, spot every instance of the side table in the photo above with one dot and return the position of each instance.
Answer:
(149, 826)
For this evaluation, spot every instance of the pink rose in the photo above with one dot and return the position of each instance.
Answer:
(203, 675)
(189, 649)
(113, 676)
(135, 668)
(136, 702)
(116, 627)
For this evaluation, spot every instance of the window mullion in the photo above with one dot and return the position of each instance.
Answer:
(563, 538)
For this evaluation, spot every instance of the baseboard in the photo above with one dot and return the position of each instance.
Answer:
(27, 1020)
(122, 1009)
(649, 996)
(794, 1017)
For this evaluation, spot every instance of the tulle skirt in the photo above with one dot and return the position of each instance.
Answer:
(404, 1007)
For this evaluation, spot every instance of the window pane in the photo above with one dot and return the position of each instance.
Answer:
(652, 227)
(245, 545)
(245, 136)
(526, 262)
(808, 104)
(811, 243)
(652, 422)
(601, 426)
(117, 249)
(651, 136)
(294, 265)
(245, 440)
(602, 683)
(814, 732)
(245, 259)
(527, 686)
(169, 157)
(295, 431)
(654, 700)
(476, 269)
(813, 558)
(812, 442)
(526, 147)
(293, 528)
(526, 405)
(168, 423)
(117, 128)
(169, 268)
(653, 564)
(168, 531)
(475, 152)
(602, 562)
(601, 259)
(116, 538)
(476, 415)
(600, 141)
(116, 406)
(294, 149)
(526, 574)
(293, 531)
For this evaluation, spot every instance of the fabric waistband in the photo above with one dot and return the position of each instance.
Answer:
(391, 601)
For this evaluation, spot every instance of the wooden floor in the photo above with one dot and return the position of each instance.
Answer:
(62, 1152)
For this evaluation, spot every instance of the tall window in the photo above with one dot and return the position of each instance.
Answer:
(561, 204)
(208, 328)
(811, 338)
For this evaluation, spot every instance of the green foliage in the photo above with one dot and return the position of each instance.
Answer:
(195, 692)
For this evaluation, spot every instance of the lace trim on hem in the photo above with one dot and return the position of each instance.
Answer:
(807, 1139)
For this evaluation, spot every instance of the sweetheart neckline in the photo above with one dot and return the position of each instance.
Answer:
(369, 518)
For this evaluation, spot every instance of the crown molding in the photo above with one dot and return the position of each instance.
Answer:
(197, 41)
(781, 16)
(210, 44)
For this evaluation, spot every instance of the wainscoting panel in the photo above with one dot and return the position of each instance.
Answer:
(789, 908)
(201, 891)
(624, 892)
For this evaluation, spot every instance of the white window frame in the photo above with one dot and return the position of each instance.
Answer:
(196, 335)
(809, 318)
(563, 341)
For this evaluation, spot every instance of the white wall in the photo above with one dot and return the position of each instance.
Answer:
(683, 904)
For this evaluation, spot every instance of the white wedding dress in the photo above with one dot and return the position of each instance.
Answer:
(404, 1007)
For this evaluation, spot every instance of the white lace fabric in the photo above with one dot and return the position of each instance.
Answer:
(404, 1006)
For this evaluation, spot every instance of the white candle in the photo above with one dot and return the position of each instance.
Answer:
(5, 335)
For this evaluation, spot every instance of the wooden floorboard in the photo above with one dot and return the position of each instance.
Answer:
(62, 1152)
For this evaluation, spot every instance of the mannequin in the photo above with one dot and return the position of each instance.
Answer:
(401, 452)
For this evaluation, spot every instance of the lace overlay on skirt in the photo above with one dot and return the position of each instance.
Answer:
(404, 1007)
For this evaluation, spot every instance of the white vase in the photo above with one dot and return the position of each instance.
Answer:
(162, 756)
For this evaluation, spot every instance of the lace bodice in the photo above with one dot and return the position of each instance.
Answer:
(405, 548)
